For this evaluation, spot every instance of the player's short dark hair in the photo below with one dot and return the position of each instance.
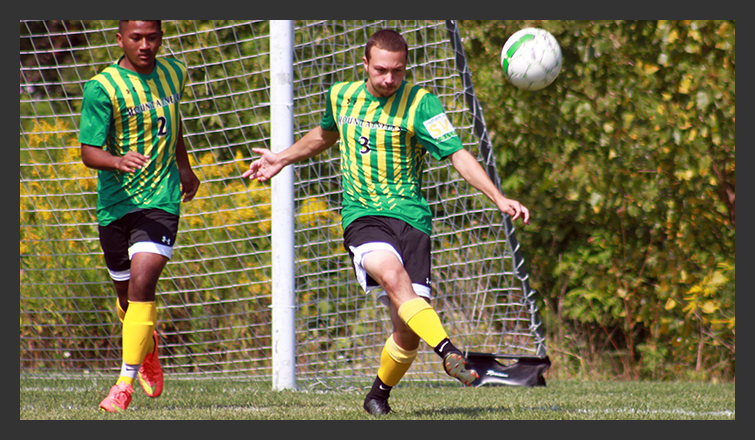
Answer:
(122, 23)
(386, 39)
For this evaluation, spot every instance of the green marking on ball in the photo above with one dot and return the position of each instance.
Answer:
(514, 47)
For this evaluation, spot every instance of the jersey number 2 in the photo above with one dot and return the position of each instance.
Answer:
(162, 126)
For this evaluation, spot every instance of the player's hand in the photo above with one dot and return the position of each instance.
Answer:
(265, 167)
(189, 185)
(131, 162)
(516, 210)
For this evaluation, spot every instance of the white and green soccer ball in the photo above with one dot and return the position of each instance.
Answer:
(531, 58)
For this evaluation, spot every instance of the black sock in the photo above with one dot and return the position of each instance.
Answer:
(445, 347)
(379, 390)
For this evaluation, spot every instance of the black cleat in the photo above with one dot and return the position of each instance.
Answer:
(376, 407)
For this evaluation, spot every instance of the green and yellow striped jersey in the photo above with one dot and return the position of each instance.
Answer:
(123, 110)
(383, 142)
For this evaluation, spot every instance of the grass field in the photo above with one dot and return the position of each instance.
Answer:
(226, 399)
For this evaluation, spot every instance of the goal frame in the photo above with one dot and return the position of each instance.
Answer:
(230, 302)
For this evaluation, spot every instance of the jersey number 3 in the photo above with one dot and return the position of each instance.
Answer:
(364, 141)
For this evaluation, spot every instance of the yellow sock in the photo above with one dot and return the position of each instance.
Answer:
(119, 310)
(127, 371)
(394, 362)
(150, 346)
(138, 327)
(422, 319)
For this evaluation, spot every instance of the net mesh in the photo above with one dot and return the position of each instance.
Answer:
(214, 296)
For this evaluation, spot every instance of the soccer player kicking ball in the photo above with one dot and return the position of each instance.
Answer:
(386, 125)
(131, 132)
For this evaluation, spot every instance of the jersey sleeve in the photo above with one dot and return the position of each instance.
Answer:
(328, 121)
(96, 115)
(434, 130)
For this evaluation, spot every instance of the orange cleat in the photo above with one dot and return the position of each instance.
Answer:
(151, 373)
(118, 398)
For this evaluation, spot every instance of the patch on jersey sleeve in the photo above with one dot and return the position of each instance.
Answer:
(440, 128)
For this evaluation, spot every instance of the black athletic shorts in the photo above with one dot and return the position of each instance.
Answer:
(411, 245)
(146, 230)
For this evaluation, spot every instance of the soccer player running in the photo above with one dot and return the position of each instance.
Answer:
(386, 125)
(131, 132)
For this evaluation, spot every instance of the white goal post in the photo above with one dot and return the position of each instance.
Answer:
(259, 287)
(282, 232)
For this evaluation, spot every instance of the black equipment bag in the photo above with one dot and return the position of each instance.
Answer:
(525, 371)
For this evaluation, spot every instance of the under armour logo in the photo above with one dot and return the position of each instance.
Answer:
(166, 240)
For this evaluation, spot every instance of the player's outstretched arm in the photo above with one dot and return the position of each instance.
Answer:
(471, 170)
(269, 164)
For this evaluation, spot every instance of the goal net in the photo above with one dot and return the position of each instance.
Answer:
(214, 298)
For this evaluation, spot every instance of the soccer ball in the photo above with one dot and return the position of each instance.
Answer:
(531, 58)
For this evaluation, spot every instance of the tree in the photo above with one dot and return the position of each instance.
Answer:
(627, 162)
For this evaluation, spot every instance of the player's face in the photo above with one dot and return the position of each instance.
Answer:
(140, 41)
(385, 71)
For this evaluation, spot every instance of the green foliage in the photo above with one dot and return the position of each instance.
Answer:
(627, 164)
(52, 229)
